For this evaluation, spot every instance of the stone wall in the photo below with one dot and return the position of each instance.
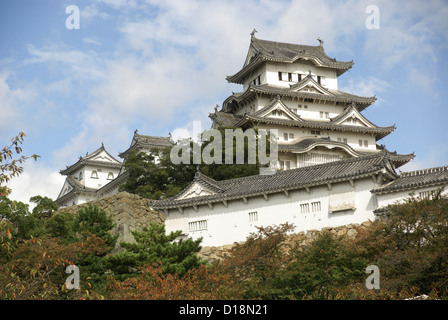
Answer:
(213, 254)
(129, 212)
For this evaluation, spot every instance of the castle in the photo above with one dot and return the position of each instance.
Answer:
(331, 169)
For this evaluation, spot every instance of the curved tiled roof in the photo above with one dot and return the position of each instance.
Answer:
(336, 95)
(420, 178)
(266, 50)
(307, 144)
(285, 180)
(87, 160)
(147, 142)
(379, 132)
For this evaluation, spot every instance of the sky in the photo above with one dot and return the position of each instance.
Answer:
(157, 66)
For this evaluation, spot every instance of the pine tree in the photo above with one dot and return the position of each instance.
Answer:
(153, 246)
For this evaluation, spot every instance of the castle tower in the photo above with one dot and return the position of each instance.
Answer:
(294, 88)
(88, 175)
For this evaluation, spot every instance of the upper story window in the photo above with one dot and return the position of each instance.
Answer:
(284, 165)
(299, 77)
(280, 75)
(94, 175)
(80, 176)
(324, 115)
(110, 176)
(290, 76)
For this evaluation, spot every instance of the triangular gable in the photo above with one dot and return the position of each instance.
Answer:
(309, 85)
(196, 189)
(101, 155)
(66, 188)
(351, 116)
(251, 53)
(273, 109)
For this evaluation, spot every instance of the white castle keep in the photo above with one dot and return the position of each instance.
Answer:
(332, 170)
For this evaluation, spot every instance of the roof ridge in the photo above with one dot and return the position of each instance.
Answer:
(308, 168)
(424, 171)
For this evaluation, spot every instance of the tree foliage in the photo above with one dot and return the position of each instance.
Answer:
(166, 178)
(9, 165)
(153, 246)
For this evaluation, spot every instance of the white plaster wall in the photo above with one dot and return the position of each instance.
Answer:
(231, 224)
(399, 197)
(102, 180)
(303, 68)
(352, 138)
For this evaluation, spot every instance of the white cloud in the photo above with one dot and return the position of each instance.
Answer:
(36, 179)
(10, 99)
(72, 63)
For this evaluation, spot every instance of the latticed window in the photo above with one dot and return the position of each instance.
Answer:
(253, 216)
(304, 208)
(197, 225)
(315, 206)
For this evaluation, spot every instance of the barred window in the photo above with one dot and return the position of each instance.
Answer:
(253, 216)
(304, 208)
(315, 206)
(197, 225)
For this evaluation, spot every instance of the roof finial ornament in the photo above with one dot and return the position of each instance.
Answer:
(321, 42)
(278, 96)
(309, 72)
(216, 109)
(252, 34)
(136, 131)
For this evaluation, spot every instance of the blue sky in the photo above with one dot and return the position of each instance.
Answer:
(157, 66)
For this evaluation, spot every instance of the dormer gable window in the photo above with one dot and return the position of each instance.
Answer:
(94, 175)
(110, 176)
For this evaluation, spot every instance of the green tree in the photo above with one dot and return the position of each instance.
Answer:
(415, 253)
(153, 246)
(44, 206)
(166, 179)
(261, 262)
(61, 225)
(9, 166)
(323, 267)
(93, 220)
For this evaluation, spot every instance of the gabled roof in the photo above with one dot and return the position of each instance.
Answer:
(261, 51)
(333, 96)
(307, 144)
(76, 188)
(284, 181)
(147, 142)
(308, 81)
(100, 157)
(352, 112)
(224, 119)
(276, 104)
(378, 132)
(432, 177)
